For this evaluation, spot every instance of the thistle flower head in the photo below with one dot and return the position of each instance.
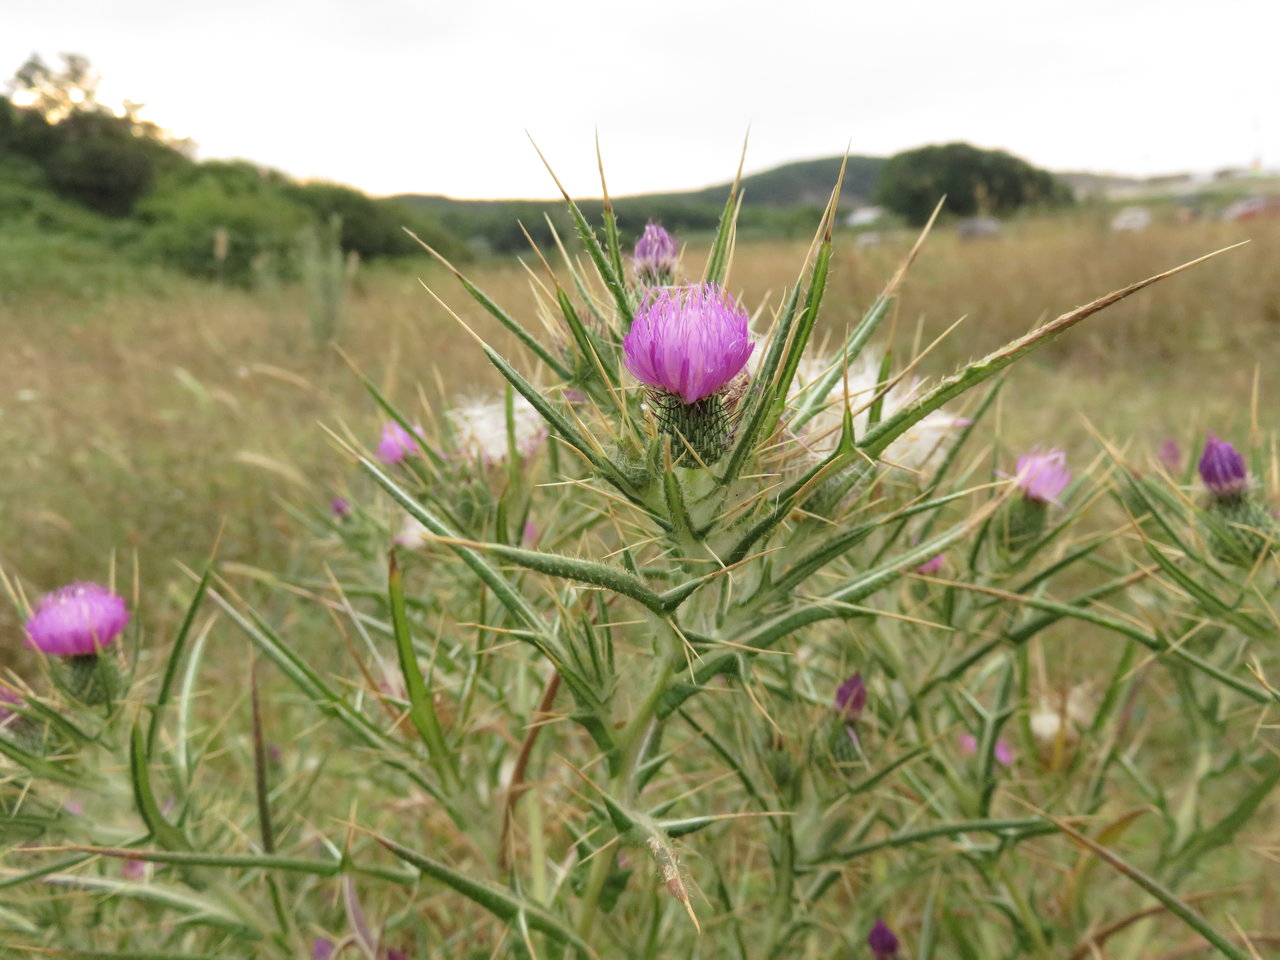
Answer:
(1170, 454)
(396, 442)
(1042, 476)
(480, 429)
(930, 567)
(883, 944)
(413, 534)
(656, 255)
(968, 745)
(76, 620)
(1222, 469)
(851, 698)
(688, 341)
(340, 507)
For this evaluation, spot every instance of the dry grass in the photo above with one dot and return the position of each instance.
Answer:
(149, 422)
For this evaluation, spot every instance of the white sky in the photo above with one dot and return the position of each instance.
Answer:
(431, 97)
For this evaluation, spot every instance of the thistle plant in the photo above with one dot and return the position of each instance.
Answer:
(654, 656)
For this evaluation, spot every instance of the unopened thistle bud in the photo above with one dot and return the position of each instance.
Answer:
(884, 945)
(75, 623)
(850, 700)
(656, 258)
(689, 344)
(1239, 530)
(1040, 479)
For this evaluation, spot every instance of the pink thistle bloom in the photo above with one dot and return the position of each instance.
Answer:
(851, 697)
(1170, 455)
(1042, 476)
(340, 507)
(657, 255)
(968, 745)
(77, 620)
(396, 442)
(134, 870)
(930, 567)
(690, 341)
(1222, 469)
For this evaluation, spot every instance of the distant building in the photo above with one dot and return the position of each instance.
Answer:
(1252, 208)
(975, 228)
(864, 216)
(1131, 220)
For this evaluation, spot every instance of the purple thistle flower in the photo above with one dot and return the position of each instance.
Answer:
(76, 620)
(968, 745)
(689, 341)
(134, 870)
(1222, 469)
(340, 507)
(396, 442)
(1042, 476)
(656, 256)
(851, 697)
(322, 949)
(930, 567)
(1170, 455)
(883, 944)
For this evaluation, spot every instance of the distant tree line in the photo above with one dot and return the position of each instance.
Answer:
(69, 163)
(973, 181)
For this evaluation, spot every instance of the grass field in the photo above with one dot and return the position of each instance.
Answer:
(143, 413)
(151, 417)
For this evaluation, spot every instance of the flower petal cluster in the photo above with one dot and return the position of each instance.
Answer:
(480, 429)
(968, 745)
(917, 448)
(1222, 468)
(883, 944)
(656, 255)
(851, 698)
(77, 620)
(689, 341)
(397, 443)
(1042, 476)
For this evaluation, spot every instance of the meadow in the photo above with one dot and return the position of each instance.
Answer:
(145, 413)
(150, 421)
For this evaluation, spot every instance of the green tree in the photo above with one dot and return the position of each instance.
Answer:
(974, 181)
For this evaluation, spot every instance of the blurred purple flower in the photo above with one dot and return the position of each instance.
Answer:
(851, 697)
(394, 954)
(76, 620)
(529, 536)
(883, 944)
(689, 341)
(1222, 469)
(322, 949)
(968, 745)
(656, 255)
(1042, 476)
(340, 507)
(134, 870)
(930, 567)
(396, 442)
(1170, 455)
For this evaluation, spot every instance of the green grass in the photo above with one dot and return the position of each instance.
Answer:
(142, 412)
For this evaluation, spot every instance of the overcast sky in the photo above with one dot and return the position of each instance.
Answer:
(397, 96)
